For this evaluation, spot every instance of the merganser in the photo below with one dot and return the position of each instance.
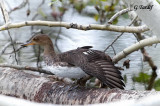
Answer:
(79, 62)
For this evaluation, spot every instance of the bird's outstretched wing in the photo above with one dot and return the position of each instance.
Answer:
(99, 65)
(96, 64)
(105, 72)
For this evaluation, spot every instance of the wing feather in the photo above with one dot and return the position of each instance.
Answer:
(110, 76)
(95, 63)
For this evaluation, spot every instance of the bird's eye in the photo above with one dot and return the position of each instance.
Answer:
(35, 39)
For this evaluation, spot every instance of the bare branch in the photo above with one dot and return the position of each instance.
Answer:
(113, 50)
(4, 12)
(36, 14)
(56, 39)
(118, 14)
(120, 35)
(34, 69)
(4, 48)
(15, 50)
(114, 41)
(9, 44)
(23, 4)
(6, 19)
(76, 26)
(135, 47)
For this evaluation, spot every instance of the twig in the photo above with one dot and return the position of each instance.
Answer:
(113, 41)
(56, 39)
(115, 28)
(36, 14)
(23, 4)
(135, 47)
(120, 35)
(34, 69)
(61, 18)
(4, 12)
(113, 50)
(6, 19)
(4, 48)
(39, 48)
(8, 5)
(118, 14)
(151, 81)
(7, 45)
(14, 49)
(109, 9)
(28, 10)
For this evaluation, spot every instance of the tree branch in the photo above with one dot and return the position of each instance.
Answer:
(135, 47)
(34, 69)
(4, 12)
(119, 36)
(76, 26)
(40, 89)
(22, 5)
(6, 19)
(2, 51)
(119, 13)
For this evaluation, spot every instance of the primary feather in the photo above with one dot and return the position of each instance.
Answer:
(95, 63)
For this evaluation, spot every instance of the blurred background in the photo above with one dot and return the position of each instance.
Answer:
(83, 12)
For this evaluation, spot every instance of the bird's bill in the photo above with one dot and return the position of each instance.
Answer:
(29, 43)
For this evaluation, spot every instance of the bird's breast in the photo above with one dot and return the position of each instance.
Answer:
(67, 72)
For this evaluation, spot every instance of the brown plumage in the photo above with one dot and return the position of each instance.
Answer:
(92, 62)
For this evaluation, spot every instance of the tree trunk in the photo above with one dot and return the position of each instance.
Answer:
(31, 87)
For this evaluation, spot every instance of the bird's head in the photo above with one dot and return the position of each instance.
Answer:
(40, 39)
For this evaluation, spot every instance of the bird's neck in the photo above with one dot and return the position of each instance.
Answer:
(49, 49)
(49, 54)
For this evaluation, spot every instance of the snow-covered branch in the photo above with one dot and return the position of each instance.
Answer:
(115, 28)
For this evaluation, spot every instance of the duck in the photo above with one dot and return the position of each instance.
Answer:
(79, 62)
